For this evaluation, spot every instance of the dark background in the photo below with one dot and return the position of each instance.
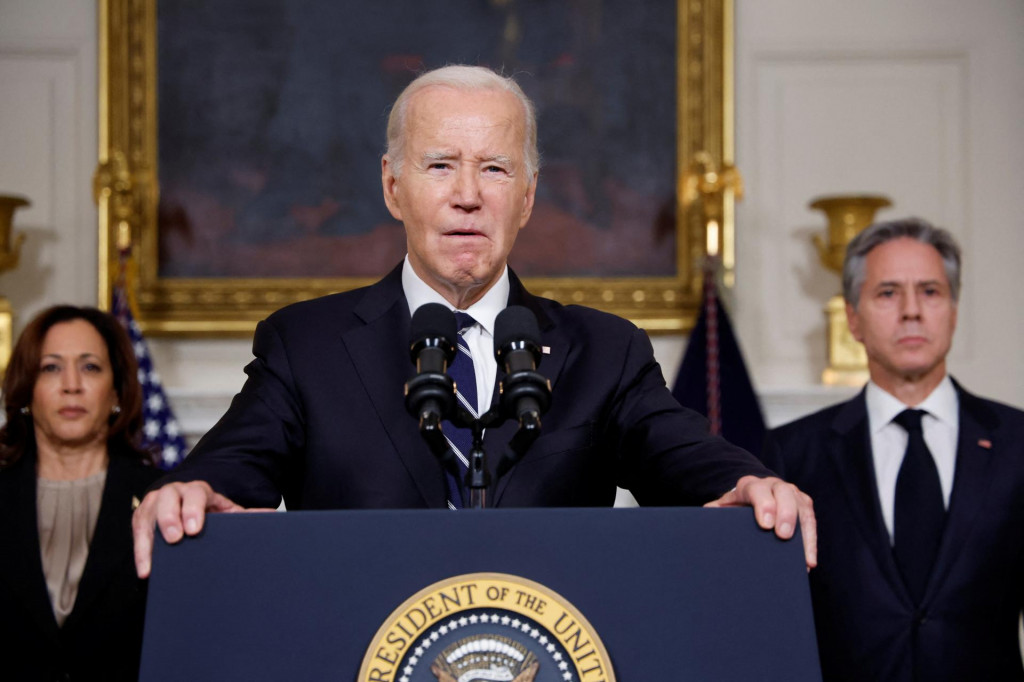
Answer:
(272, 117)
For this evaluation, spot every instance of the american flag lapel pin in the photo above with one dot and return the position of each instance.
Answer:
(985, 443)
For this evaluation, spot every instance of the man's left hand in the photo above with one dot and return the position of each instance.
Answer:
(777, 505)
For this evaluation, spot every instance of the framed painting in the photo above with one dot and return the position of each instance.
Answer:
(240, 147)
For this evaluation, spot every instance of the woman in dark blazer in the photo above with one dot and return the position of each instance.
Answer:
(71, 606)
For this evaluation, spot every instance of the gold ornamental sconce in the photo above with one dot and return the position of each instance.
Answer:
(847, 216)
(708, 183)
(10, 251)
(112, 183)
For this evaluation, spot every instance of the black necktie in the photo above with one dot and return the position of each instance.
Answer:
(919, 513)
(463, 374)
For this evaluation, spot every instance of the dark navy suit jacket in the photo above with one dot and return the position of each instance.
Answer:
(868, 627)
(102, 636)
(321, 418)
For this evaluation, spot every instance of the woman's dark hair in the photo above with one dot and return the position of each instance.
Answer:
(23, 370)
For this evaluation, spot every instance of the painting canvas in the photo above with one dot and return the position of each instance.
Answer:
(272, 116)
(240, 145)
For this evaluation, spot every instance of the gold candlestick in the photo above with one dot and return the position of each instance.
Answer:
(10, 245)
(847, 216)
(10, 251)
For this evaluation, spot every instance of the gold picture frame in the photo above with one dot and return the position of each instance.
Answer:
(127, 190)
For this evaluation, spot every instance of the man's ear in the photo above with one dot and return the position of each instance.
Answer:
(853, 320)
(389, 184)
(531, 195)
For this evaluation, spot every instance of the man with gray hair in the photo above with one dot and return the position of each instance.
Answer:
(918, 485)
(322, 420)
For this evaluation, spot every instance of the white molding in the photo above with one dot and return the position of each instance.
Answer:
(829, 121)
(54, 133)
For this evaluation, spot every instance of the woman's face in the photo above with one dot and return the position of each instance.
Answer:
(74, 394)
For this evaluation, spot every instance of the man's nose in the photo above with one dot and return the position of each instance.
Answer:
(466, 192)
(911, 306)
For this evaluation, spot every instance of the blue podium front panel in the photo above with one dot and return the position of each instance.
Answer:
(671, 594)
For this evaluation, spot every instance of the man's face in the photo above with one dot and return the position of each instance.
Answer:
(463, 193)
(906, 316)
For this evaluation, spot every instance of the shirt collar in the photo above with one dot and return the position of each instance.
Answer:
(484, 311)
(942, 403)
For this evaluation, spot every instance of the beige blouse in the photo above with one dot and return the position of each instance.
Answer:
(67, 512)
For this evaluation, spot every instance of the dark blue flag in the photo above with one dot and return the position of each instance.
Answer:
(161, 433)
(713, 378)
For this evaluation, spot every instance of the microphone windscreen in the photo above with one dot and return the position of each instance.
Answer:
(515, 323)
(433, 320)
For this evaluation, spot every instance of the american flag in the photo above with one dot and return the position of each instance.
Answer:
(161, 433)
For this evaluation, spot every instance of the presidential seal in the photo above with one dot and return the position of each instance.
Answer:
(486, 627)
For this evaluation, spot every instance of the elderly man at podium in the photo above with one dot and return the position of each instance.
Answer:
(321, 419)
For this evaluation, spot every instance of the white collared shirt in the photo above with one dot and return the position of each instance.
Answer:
(941, 427)
(479, 337)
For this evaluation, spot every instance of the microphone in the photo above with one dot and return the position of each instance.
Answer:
(525, 394)
(430, 395)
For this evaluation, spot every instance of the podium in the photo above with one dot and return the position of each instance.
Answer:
(651, 594)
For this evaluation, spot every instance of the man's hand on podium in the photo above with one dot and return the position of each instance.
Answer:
(777, 505)
(178, 509)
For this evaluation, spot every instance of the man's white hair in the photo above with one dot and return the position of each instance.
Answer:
(465, 78)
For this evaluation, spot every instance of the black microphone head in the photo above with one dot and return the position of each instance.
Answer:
(433, 325)
(516, 326)
(516, 323)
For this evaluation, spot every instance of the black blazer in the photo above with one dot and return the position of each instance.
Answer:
(868, 628)
(322, 418)
(102, 636)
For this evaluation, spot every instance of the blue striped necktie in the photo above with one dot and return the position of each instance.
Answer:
(463, 374)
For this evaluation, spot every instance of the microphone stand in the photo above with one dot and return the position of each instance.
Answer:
(478, 478)
(430, 396)
(514, 388)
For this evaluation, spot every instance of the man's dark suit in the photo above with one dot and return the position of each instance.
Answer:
(868, 627)
(322, 419)
(102, 636)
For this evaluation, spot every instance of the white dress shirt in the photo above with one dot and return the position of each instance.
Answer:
(940, 426)
(479, 337)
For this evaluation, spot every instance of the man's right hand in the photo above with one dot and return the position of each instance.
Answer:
(178, 509)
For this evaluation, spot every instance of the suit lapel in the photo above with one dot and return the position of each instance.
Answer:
(550, 366)
(21, 565)
(380, 354)
(970, 483)
(111, 541)
(851, 454)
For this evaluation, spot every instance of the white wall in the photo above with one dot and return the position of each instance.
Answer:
(48, 149)
(918, 100)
